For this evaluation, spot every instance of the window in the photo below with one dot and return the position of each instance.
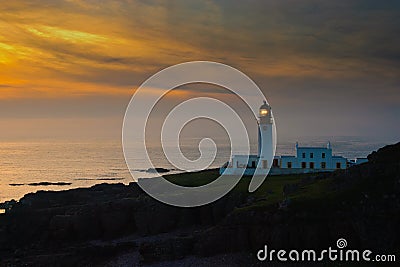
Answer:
(304, 155)
(303, 165)
(275, 163)
(323, 165)
(240, 165)
(265, 164)
(338, 165)
(289, 165)
(323, 155)
(311, 165)
(311, 155)
(253, 164)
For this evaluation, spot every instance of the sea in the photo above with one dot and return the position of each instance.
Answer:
(30, 166)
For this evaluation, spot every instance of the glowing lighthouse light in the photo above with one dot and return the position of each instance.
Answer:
(263, 112)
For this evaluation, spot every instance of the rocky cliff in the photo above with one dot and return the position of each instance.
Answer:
(98, 225)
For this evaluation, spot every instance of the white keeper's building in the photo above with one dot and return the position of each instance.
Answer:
(306, 160)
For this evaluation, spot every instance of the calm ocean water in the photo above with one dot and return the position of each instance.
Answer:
(84, 164)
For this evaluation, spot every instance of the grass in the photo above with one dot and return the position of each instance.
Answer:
(270, 193)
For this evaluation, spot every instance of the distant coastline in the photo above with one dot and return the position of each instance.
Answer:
(84, 164)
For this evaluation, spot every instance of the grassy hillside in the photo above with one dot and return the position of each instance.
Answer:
(271, 192)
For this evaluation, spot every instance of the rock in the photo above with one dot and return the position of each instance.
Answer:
(61, 227)
(83, 227)
(49, 183)
(386, 155)
(159, 170)
(170, 249)
(8, 205)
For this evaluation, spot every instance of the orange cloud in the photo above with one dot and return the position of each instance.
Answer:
(74, 47)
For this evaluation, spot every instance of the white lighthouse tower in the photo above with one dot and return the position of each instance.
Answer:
(260, 164)
(265, 139)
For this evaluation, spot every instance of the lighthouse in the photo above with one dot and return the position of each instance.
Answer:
(259, 164)
(306, 160)
(265, 130)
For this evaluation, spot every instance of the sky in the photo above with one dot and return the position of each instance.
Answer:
(68, 68)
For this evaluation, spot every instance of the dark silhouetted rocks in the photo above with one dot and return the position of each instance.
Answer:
(82, 227)
(159, 170)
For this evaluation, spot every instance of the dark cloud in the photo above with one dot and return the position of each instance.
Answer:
(327, 66)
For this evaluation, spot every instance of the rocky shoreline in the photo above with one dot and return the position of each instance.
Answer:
(119, 225)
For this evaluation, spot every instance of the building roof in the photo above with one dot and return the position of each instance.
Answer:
(311, 147)
(338, 157)
(265, 105)
(245, 156)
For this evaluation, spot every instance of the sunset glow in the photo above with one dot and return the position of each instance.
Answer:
(298, 52)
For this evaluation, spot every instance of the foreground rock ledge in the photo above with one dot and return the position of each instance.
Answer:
(116, 224)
